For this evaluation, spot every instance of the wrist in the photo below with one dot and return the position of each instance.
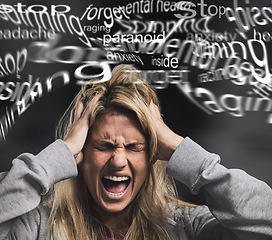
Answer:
(169, 147)
(174, 142)
(69, 145)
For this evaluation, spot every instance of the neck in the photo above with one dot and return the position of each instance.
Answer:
(113, 219)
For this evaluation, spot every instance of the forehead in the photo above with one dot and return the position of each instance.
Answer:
(117, 123)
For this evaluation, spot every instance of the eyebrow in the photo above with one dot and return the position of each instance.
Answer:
(108, 142)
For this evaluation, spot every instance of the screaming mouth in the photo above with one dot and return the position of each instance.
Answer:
(114, 185)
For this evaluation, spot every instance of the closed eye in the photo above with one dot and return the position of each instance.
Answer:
(136, 147)
(104, 146)
(108, 146)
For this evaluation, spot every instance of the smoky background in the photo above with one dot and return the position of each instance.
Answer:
(242, 142)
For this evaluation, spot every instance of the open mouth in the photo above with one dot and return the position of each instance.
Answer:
(115, 185)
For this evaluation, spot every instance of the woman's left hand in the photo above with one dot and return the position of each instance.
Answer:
(168, 141)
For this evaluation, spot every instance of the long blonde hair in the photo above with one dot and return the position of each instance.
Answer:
(72, 216)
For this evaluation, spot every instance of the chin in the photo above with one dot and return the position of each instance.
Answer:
(114, 208)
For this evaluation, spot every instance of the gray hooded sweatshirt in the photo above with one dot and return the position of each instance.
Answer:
(238, 206)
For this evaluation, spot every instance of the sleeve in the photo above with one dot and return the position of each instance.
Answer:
(30, 177)
(240, 206)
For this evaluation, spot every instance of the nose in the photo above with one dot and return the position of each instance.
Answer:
(119, 159)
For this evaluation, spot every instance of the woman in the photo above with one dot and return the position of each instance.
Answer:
(114, 133)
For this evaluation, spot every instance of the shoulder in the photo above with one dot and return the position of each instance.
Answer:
(188, 221)
(31, 225)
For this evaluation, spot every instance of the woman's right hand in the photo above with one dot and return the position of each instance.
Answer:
(77, 135)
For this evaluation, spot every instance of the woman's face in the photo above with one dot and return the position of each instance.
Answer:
(115, 160)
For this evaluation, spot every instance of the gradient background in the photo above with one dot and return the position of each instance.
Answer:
(243, 142)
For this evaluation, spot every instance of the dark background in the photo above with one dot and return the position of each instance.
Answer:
(243, 142)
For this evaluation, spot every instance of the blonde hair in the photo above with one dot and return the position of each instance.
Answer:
(72, 216)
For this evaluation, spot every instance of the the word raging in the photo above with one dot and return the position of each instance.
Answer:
(235, 105)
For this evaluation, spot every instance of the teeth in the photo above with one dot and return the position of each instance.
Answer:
(116, 179)
(116, 194)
